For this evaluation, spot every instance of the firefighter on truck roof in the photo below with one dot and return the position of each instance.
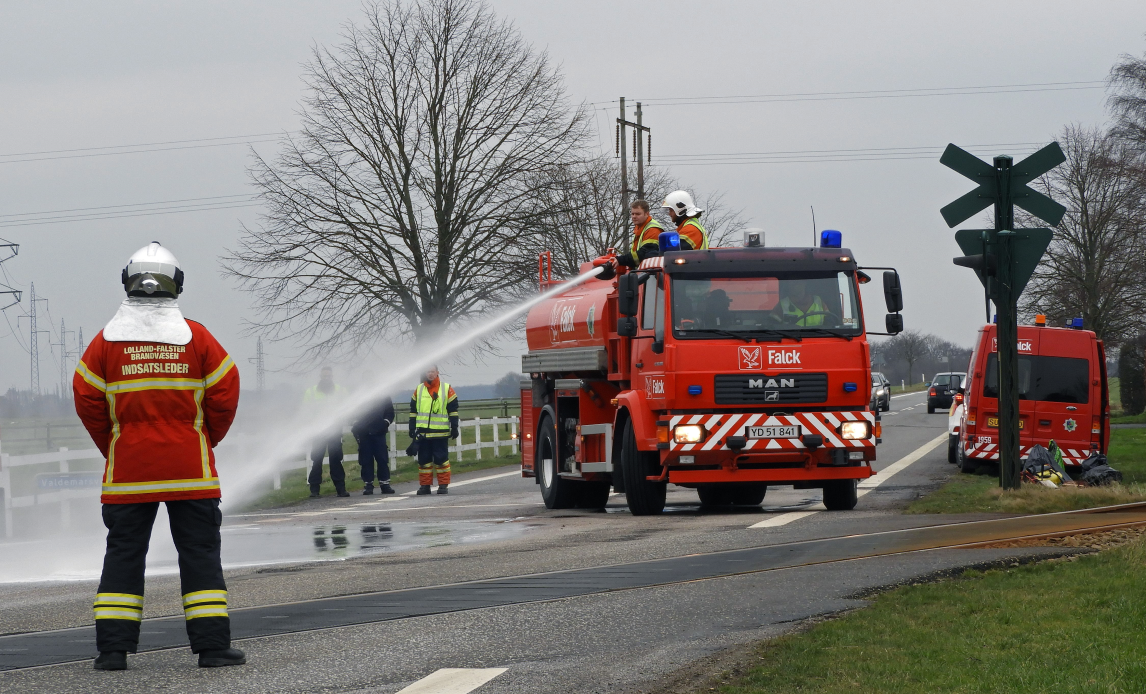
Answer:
(686, 215)
(646, 234)
(157, 393)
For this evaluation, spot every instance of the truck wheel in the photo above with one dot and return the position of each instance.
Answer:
(593, 494)
(841, 495)
(967, 464)
(556, 491)
(645, 498)
(748, 494)
(953, 449)
(713, 495)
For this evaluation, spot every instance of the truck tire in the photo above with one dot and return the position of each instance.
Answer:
(556, 491)
(645, 498)
(714, 495)
(953, 449)
(748, 494)
(967, 464)
(593, 494)
(841, 495)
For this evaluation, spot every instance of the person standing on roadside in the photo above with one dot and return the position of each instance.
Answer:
(321, 402)
(433, 422)
(157, 393)
(370, 430)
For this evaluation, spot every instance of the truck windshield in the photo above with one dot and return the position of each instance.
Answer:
(800, 304)
(1049, 379)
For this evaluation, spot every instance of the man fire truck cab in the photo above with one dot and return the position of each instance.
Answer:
(1063, 395)
(726, 370)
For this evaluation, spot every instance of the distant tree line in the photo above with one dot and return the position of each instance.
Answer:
(23, 404)
(910, 355)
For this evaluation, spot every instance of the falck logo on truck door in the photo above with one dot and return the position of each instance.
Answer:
(654, 388)
(751, 358)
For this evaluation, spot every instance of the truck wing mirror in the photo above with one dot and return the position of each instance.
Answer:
(627, 325)
(892, 292)
(627, 296)
(894, 323)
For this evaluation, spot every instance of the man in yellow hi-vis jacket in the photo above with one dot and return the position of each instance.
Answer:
(433, 422)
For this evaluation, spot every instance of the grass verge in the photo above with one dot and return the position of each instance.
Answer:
(1063, 626)
(981, 493)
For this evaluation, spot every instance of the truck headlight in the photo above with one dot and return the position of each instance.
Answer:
(855, 430)
(688, 433)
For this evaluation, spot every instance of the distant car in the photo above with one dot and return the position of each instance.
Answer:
(880, 392)
(954, 417)
(941, 392)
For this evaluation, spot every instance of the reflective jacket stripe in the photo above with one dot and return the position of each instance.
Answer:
(95, 381)
(220, 372)
(639, 235)
(691, 222)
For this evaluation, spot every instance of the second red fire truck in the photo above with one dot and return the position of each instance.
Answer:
(725, 370)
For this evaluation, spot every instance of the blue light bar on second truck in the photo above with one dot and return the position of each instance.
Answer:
(830, 238)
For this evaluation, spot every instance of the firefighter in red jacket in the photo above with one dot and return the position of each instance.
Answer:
(157, 393)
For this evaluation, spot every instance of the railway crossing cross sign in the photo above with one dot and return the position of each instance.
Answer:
(1004, 258)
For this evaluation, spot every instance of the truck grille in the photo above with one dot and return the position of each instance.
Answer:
(762, 389)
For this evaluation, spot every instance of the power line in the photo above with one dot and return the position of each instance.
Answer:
(133, 151)
(878, 93)
(177, 209)
(134, 204)
(829, 155)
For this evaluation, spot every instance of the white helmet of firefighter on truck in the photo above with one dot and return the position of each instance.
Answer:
(152, 271)
(681, 204)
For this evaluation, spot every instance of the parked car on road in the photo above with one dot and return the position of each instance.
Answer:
(941, 392)
(880, 392)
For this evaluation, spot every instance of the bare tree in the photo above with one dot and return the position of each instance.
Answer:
(402, 205)
(911, 346)
(1096, 264)
(1127, 100)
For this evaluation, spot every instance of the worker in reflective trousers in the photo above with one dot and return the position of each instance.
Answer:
(433, 422)
(157, 393)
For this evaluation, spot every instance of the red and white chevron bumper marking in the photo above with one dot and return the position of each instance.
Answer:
(719, 426)
(990, 451)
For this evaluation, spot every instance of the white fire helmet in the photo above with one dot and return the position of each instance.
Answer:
(680, 202)
(152, 271)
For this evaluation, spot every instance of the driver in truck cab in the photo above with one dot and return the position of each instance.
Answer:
(799, 307)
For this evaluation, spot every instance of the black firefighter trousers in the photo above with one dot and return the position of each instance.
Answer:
(119, 602)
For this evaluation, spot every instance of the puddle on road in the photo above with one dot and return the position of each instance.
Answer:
(248, 545)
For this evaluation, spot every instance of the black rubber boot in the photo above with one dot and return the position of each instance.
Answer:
(443, 489)
(385, 489)
(423, 490)
(228, 656)
(343, 492)
(368, 490)
(111, 660)
(314, 492)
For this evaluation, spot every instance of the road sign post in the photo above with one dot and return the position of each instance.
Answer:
(1005, 262)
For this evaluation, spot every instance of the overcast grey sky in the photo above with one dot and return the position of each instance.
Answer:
(89, 75)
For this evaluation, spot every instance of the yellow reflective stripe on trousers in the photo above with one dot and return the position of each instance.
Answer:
(205, 611)
(121, 488)
(119, 606)
(119, 613)
(204, 596)
(118, 599)
(95, 381)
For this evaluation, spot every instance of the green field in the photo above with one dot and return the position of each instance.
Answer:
(1063, 626)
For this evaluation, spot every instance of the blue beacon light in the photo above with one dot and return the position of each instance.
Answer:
(830, 238)
(695, 390)
(668, 241)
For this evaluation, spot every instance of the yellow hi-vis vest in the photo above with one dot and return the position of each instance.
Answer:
(650, 233)
(802, 317)
(432, 420)
(686, 234)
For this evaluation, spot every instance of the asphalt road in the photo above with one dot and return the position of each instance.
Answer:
(494, 525)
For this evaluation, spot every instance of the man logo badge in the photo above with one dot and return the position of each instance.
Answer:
(756, 383)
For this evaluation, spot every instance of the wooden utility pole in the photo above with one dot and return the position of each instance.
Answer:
(641, 132)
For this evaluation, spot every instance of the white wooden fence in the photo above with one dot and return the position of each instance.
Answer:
(65, 486)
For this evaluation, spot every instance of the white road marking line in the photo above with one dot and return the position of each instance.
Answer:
(865, 486)
(782, 519)
(452, 680)
(908, 395)
(885, 474)
(455, 485)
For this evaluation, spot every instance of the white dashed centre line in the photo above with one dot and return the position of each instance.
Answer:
(453, 681)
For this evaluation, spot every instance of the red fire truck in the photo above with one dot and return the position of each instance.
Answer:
(725, 370)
